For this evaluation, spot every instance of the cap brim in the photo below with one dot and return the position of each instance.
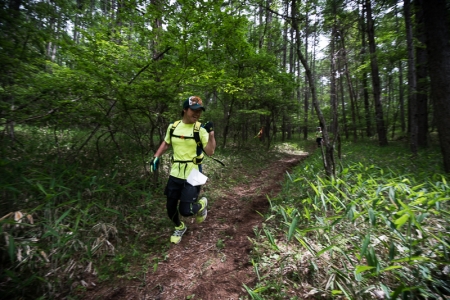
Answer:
(196, 106)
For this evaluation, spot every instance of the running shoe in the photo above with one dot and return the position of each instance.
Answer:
(178, 233)
(201, 214)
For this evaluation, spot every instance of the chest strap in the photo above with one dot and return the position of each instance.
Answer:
(196, 136)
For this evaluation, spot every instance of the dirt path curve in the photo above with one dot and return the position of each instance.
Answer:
(212, 260)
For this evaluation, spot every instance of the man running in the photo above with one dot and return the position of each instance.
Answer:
(189, 139)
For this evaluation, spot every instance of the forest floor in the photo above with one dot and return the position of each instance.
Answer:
(212, 261)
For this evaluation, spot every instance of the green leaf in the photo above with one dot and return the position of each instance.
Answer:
(253, 294)
(292, 228)
(306, 213)
(41, 188)
(372, 216)
(324, 250)
(107, 209)
(11, 248)
(401, 221)
(304, 244)
(391, 268)
(392, 251)
(50, 231)
(412, 259)
(271, 239)
(360, 269)
(62, 217)
(366, 242)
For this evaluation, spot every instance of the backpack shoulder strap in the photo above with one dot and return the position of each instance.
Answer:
(174, 125)
(197, 127)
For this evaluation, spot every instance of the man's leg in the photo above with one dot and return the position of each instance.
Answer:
(188, 200)
(189, 205)
(173, 193)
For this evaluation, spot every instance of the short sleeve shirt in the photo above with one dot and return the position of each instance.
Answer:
(184, 149)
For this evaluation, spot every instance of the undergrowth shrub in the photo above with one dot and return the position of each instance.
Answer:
(71, 217)
(379, 229)
(65, 213)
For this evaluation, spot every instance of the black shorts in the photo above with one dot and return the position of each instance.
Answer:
(180, 189)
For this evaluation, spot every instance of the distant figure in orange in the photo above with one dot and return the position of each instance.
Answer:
(260, 133)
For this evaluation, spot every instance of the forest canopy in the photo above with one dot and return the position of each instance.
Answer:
(124, 67)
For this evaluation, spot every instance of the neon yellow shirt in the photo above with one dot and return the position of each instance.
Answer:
(184, 149)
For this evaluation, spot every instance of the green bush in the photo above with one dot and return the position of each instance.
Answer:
(380, 227)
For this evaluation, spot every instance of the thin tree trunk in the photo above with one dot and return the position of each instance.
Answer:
(411, 78)
(333, 88)
(333, 83)
(329, 156)
(351, 90)
(422, 80)
(376, 87)
(364, 77)
(306, 96)
(400, 86)
(342, 97)
(228, 114)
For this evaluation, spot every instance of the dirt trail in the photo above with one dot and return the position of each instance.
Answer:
(212, 260)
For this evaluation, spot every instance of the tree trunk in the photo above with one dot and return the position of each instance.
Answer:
(351, 90)
(342, 97)
(333, 84)
(401, 97)
(364, 77)
(306, 93)
(438, 48)
(329, 156)
(411, 78)
(376, 87)
(422, 80)
(285, 37)
(228, 111)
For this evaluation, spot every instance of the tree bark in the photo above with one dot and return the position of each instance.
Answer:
(413, 129)
(333, 84)
(401, 97)
(376, 87)
(351, 90)
(438, 49)
(422, 80)
(306, 92)
(342, 97)
(364, 76)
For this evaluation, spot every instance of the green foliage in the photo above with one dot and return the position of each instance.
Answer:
(66, 216)
(379, 227)
(63, 216)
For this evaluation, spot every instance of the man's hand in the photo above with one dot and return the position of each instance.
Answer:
(209, 126)
(154, 164)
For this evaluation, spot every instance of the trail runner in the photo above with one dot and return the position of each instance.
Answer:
(189, 139)
(319, 136)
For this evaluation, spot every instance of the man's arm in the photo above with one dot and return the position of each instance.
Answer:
(162, 149)
(211, 146)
